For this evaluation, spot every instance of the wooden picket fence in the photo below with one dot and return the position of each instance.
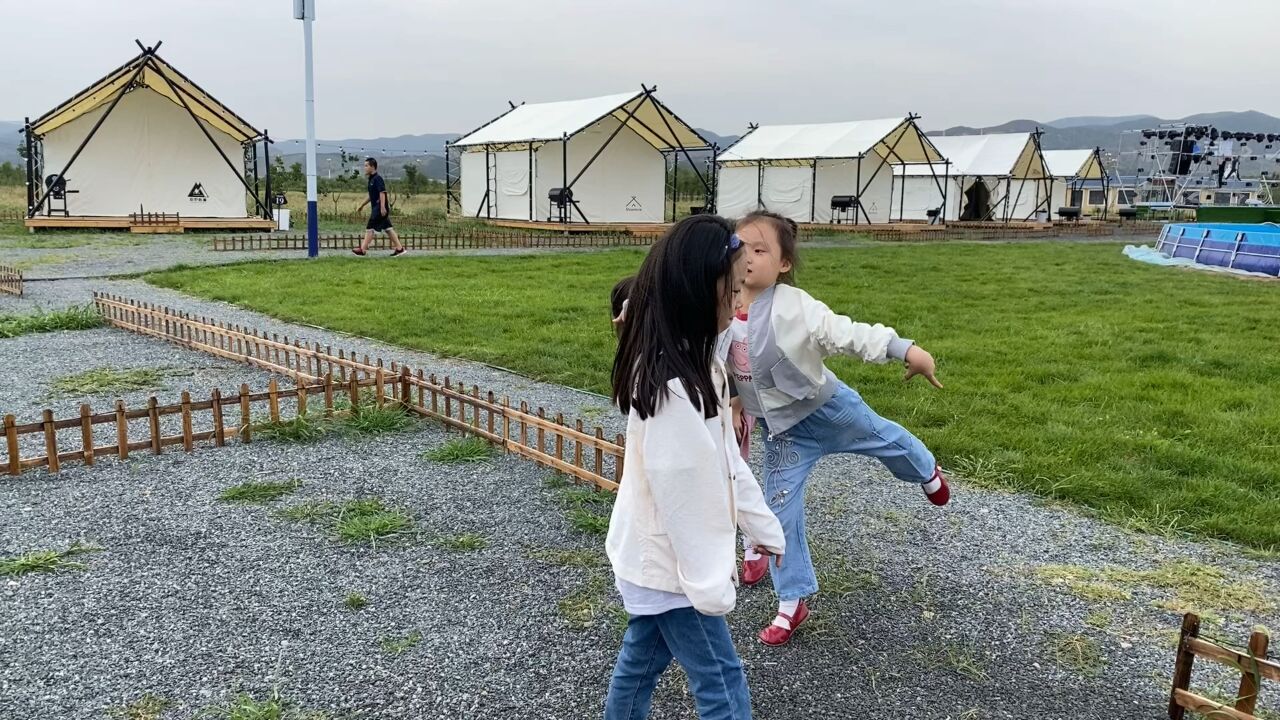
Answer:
(433, 241)
(317, 372)
(10, 280)
(1254, 667)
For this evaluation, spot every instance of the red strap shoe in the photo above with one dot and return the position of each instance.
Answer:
(942, 492)
(754, 570)
(774, 636)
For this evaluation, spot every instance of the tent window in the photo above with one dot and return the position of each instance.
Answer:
(1125, 197)
(1096, 197)
(1077, 197)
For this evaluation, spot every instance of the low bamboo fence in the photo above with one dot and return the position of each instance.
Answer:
(432, 241)
(1253, 664)
(319, 375)
(10, 280)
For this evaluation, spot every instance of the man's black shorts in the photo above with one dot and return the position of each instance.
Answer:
(381, 223)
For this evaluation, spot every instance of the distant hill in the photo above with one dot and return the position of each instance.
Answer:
(1099, 121)
(393, 153)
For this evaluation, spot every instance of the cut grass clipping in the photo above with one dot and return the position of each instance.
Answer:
(103, 380)
(399, 646)
(355, 601)
(81, 317)
(247, 707)
(147, 707)
(258, 492)
(1193, 587)
(588, 605)
(1076, 652)
(585, 508)
(470, 449)
(465, 542)
(45, 561)
(363, 521)
(365, 419)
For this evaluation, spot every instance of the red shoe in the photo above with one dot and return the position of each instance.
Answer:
(942, 494)
(774, 636)
(357, 251)
(754, 570)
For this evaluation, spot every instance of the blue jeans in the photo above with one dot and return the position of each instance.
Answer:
(702, 646)
(844, 424)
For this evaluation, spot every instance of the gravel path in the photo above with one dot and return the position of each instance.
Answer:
(942, 613)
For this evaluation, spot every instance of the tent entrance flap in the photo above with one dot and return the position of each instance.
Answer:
(977, 201)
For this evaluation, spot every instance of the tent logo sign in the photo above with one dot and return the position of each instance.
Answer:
(633, 205)
(197, 194)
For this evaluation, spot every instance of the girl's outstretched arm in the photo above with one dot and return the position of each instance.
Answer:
(837, 334)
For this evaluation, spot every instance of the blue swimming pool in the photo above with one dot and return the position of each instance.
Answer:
(1253, 248)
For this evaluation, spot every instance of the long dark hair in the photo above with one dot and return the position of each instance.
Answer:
(673, 317)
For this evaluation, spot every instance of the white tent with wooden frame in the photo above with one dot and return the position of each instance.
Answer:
(820, 173)
(1000, 177)
(1073, 169)
(617, 156)
(143, 140)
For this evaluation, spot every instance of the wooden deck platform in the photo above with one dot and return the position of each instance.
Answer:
(99, 222)
(580, 227)
(878, 228)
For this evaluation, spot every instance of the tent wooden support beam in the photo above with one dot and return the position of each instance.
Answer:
(231, 166)
(31, 212)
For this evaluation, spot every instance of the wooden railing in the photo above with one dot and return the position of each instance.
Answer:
(10, 280)
(550, 440)
(155, 218)
(432, 241)
(1253, 664)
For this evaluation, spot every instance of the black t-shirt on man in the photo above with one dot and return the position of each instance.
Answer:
(376, 188)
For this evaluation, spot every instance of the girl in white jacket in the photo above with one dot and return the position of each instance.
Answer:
(685, 490)
(806, 412)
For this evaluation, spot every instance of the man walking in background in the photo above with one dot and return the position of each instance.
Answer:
(380, 218)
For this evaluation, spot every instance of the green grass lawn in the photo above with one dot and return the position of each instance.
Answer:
(1148, 394)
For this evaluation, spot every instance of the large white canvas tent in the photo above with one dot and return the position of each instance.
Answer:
(144, 139)
(613, 153)
(1070, 170)
(999, 177)
(797, 170)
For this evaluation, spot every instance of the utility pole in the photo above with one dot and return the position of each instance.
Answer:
(305, 10)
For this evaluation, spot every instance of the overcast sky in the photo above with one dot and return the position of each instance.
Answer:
(390, 67)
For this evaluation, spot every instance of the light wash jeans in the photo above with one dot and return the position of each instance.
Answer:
(702, 646)
(844, 424)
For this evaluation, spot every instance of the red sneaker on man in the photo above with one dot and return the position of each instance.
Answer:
(937, 490)
(784, 626)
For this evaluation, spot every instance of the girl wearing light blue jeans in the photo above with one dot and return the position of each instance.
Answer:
(804, 410)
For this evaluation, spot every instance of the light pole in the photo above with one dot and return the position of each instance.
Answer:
(305, 10)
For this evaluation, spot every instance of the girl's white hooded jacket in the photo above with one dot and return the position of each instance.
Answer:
(684, 492)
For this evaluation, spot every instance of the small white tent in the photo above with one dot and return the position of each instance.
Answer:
(797, 170)
(1069, 170)
(612, 152)
(143, 138)
(999, 177)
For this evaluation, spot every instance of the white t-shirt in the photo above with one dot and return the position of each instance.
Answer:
(639, 600)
